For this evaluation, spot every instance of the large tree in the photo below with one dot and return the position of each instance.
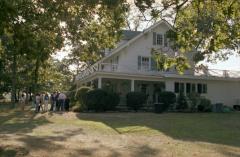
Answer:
(32, 30)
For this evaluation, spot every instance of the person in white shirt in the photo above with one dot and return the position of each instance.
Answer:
(46, 100)
(22, 101)
(61, 99)
(37, 102)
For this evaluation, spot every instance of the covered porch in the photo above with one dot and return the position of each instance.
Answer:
(150, 86)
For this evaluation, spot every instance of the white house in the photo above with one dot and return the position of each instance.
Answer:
(130, 67)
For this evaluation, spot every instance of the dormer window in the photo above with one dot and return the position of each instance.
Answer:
(160, 39)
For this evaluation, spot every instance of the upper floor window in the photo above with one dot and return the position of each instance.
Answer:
(160, 39)
(143, 63)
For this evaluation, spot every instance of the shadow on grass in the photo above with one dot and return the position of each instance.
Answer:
(199, 127)
(14, 123)
(20, 121)
(102, 150)
(12, 151)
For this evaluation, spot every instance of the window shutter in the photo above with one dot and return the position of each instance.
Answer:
(165, 40)
(139, 62)
(154, 38)
(153, 64)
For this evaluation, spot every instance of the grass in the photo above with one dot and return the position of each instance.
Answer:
(119, 134)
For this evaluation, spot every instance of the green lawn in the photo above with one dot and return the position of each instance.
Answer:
(119, 134)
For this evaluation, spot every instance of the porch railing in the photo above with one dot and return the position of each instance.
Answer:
(108, 67)
(218, 73)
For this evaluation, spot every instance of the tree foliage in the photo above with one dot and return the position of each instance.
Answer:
(31, 31)
(208, 27)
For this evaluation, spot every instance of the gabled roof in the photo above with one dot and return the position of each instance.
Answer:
(139, 35)
(128, 35)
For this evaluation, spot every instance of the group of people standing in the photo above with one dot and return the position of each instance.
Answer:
(58, 101)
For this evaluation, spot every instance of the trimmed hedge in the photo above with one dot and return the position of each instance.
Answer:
(81, 95)
(135, 100)
(100, 100)
(182, 103)
(166, 99)
(205, 105)
(194, 101)
(112, 100)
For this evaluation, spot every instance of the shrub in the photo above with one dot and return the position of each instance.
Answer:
(236, 107)
(112, 100)
(195, 100)
(81, 95)
(135, 100)
(96, 99)
(182, 102)
(100, 100)
(166, 99)
(227, 109)
(204, 105)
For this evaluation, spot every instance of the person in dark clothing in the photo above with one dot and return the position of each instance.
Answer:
(52, 99)
(57, 102)
(67, 103)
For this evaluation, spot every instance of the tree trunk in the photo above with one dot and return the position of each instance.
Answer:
(36, 76)
(14, 70)
(18, 95)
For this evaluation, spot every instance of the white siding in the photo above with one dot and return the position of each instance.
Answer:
(128, 57)
(226, 92)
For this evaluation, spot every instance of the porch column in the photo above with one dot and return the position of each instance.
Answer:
(169, 86)
(99, 82)
(132, 85)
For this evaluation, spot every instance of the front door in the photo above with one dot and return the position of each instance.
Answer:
(158, 88)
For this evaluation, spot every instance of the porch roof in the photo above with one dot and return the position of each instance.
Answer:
(153, 77)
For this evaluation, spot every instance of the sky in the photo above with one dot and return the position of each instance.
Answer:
(233, 63)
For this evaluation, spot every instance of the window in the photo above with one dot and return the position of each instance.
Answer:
(202, 88)
(143, 63)
(188, 88)
(199, 87)
(159, 39)
(193, 87)
(176, 87)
